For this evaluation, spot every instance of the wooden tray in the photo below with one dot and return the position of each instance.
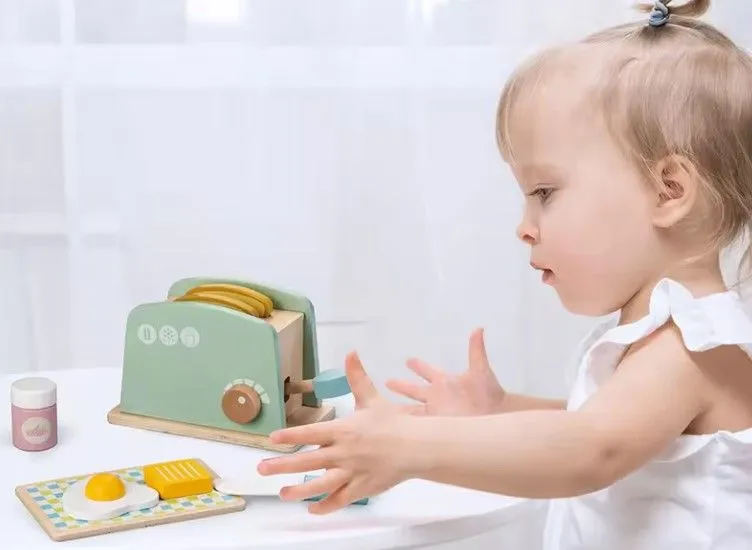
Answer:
(43, 500)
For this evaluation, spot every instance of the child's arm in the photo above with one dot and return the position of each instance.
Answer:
(655, 393)
(516, 402)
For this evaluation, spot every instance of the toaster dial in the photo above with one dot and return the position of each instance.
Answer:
(241, 403)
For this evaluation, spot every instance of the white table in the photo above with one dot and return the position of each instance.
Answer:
(413, 514)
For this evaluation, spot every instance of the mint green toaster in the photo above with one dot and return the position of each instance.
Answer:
(224, 359)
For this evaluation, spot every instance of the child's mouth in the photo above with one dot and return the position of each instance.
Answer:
(546, 274)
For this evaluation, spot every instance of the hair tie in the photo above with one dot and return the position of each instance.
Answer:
(660, 14)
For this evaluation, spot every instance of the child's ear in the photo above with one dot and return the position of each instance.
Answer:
(677, 185)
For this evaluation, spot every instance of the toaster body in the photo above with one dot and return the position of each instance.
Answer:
(212, 366)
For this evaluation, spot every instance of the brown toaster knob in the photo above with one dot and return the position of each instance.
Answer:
(241, 404)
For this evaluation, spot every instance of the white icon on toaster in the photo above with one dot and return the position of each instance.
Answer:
(190, 337)
(147, 334)
(168, 335)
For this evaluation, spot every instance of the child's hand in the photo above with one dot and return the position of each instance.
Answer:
(362, 454)
(474, 392)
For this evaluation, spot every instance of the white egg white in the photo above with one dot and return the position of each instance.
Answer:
(77, 505)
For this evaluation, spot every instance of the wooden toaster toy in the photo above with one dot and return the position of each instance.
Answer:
(225, 360)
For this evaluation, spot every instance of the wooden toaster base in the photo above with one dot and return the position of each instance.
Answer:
(302, 416)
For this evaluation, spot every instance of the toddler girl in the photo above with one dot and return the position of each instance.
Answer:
(633, 148)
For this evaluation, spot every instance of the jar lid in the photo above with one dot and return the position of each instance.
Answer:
(33, 393)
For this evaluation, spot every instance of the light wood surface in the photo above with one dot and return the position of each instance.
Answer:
(303, 415)
(299, 386)
(289, 327)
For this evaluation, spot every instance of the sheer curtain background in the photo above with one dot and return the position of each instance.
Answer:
(341, 148)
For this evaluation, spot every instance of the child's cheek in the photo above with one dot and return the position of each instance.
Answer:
(578, 233)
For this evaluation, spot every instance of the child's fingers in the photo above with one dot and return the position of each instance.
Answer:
(408, 389)
(361, 385)
(319, 459)
(325, 484)
(341, 498)
(424, 370)
(477, 356)
(320, 433)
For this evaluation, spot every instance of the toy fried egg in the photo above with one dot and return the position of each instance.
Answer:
(105, 496)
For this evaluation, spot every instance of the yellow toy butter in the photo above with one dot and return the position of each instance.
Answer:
(178, 478)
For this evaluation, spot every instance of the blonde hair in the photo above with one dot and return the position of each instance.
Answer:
(683, 88)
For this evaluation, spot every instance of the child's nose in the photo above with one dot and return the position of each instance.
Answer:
(527, 233)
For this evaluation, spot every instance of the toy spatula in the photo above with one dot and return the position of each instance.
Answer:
(329, 383)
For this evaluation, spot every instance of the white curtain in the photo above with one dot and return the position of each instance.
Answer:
(341, 148)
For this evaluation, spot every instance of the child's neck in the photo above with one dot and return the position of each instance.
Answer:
(701, 279)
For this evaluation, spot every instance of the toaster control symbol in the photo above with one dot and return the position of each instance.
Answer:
(147, 334)
(168, 335)
(190, 337)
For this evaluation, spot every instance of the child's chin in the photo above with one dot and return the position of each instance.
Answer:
(583, 305)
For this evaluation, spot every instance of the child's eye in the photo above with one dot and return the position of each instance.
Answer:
(543, 193)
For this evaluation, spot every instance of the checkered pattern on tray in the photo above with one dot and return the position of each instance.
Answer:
(48, 497)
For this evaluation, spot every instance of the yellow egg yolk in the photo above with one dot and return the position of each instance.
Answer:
(105, 487)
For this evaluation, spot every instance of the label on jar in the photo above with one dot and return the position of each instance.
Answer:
(36, 430)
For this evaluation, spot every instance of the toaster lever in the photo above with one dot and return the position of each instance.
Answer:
(329, 383)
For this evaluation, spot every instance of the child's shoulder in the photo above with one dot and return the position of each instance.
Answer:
(665, 343)
(669, 343)
(704, 344)
(714, 365)
(683, 325)
(680, 332)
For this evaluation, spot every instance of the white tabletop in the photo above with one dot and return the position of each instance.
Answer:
(413, 514)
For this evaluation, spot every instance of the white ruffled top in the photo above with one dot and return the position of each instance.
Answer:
(698, 494)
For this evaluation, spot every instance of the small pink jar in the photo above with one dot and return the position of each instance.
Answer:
(34, 413)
